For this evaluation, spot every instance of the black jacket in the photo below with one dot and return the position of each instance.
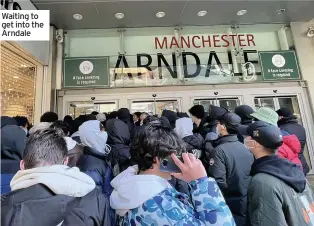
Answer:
(292, 126)
(13, 140)
(195, 141)
(119, 141)
(94, 164)
(38, 205)
(230, 164)
(125, 116)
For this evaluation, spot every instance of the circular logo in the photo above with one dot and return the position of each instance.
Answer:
(211, 162)
(86, 67)
(278, 60)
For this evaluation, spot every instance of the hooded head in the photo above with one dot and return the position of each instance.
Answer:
(124, 114)
(6, 120)
(171, 116)
(244, 111)
(93, 136)
(184, 127)
(118, 132)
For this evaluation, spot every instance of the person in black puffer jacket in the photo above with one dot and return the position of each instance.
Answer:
(288, 122)
(184, 128)
(119, 141)
(125, 116)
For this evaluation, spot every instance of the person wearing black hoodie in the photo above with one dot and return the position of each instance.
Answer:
(288, 122)
(125, 116)
(13, 139)
(279, 193)
(171, 116)
(119, 141)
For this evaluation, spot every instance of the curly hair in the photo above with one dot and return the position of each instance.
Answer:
(154, 140)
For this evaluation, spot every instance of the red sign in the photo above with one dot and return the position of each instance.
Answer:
(203, 41)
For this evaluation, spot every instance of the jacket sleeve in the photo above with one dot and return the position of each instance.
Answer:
(209, 203)
(264, 206)
(217, 167)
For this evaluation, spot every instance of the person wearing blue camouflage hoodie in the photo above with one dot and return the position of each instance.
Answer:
(143, 196)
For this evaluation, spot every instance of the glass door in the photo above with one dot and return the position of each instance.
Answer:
(229, 103)
(154, 107)
(77, 108)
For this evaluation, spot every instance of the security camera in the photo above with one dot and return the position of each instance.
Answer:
(93, 98)
(310, 33)
(154, 95)
(59, 36)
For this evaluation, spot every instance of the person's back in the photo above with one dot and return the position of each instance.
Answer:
(13, 140)
(45, 183)
(230, 163)
(143, 196)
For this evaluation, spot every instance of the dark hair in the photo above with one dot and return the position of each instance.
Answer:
(197, 111)
(154, 141)
(64, 126)
(49, 117)
(137, 114)
(21, 121)
(68, 119)
(91, 117)
(113, 115)
(45, 147)
(95, 113)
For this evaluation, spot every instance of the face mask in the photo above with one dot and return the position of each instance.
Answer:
(249, 144)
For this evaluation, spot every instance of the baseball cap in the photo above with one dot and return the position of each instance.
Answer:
(231, 120)
(267, 115)
(263, 133)
(244, 111)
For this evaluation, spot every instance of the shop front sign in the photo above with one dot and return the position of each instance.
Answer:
(86, 72)
(279, 65)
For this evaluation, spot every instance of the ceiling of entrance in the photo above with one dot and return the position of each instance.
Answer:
(142, 13)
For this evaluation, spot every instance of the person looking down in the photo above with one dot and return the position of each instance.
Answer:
(143, 196)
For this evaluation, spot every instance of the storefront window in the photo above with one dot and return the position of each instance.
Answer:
(18, 79)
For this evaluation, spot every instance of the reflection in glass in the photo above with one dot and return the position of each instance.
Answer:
(154, 108)
(264, 102)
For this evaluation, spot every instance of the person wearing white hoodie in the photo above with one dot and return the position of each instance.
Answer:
(46, 192)
(143, 196)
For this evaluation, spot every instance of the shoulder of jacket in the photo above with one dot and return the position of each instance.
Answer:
(265, 181)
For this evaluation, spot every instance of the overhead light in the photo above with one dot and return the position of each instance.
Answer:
(15, 77)
(202, 13)
(241, 12)
(10, 89)
(77, 16)
(119, 16)
(160, 14)
(280, 11)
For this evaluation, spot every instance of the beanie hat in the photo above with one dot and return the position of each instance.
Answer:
(284, 112)
(197, 111)
(101, 117)
(267, 115)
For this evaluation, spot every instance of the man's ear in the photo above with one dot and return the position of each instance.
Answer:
(22, 167)
(66, 161)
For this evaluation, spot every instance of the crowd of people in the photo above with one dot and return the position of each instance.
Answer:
(211, 167)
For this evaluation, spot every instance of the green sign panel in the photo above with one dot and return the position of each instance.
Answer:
(86, 72)
(279, 65)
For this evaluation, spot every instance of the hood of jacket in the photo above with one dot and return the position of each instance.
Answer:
(6, 120)
(60, 179)
(70, 143)
(132, 190)
(283, 169)
(40, 126)
(285, 120)
(13, 140)
(195, 141)
(124, 114)
(171, 116)
(118, 132)
(92, 137)
(225, 139)
(292, 142)
(184, 127)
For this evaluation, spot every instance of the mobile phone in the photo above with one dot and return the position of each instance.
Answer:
(168, 165)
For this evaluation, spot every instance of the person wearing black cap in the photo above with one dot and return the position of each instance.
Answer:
(230, 163)
(288, 122)
(244, 111)
(279, 193)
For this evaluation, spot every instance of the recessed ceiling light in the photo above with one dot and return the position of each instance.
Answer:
(280, 11)
(202, 13)
(160, 14)
(242, 12)
(77, 16)
(15, 77)
(119, 16)
(10, 89)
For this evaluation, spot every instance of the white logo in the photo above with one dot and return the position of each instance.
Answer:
(211, 162)
(278, 60)
(86, 67)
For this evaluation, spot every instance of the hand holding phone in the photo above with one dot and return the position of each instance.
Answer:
(191, 168)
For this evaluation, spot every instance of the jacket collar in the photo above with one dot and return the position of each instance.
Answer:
(226, 139)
